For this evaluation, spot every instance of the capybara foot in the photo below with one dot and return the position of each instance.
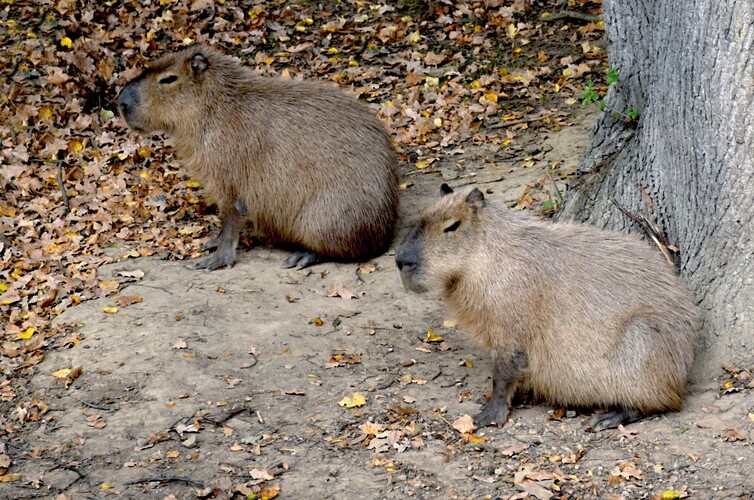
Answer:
(493, 412)
(608, 420)
(300, 259)
(210, 245)
(221, 258)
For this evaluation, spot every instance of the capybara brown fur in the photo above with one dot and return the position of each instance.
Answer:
(300, 162)
(584, 317)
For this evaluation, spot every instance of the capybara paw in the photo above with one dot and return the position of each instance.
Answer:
(492, 413)
(210, 245)
(217, 260)
(608, 420)
(300, 259)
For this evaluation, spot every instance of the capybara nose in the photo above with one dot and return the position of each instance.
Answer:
(405, 264)
(128, 99)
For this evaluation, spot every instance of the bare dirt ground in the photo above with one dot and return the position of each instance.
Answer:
(228, 384)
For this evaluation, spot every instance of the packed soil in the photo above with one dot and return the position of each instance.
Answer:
(248, 382)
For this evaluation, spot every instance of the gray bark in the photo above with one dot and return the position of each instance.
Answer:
(688, 68)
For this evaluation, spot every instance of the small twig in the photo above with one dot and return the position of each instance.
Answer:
(572, 14)
(652, 230)
(62, 188)
(525, 119)
(424, 171)
(95, 407)
(192, 482)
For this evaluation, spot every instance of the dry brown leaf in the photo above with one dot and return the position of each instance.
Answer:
(464, 424)
(338, 290)
(127, 300)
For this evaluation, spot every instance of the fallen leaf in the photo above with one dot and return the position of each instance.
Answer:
(354, 401)
(464, 424)
(732, 435)
(431, 337)
(127, 300)
(338, 290)
(265, 474)
(514, 450)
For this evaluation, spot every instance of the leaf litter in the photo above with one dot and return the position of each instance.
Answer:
(81, 192)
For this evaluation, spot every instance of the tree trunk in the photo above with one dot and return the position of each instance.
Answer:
(686, 163)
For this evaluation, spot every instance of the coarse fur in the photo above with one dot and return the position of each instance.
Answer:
(300, 162)
(582, 316)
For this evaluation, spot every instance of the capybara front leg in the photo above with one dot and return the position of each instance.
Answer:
(226, 242)
(506, 371)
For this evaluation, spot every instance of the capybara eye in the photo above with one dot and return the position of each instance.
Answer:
(452, 227)
(168, 79)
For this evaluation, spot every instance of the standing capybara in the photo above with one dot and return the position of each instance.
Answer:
(582, 316)
(305, 165)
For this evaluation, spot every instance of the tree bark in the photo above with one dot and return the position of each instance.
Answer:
(686, 163)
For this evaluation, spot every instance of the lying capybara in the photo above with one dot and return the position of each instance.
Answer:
(305, 165)
(583, 317)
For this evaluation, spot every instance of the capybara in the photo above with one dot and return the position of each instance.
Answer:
(581, 316)
(302, 163)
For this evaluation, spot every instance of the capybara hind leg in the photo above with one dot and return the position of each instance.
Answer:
(300, 259)
(506, 370)
(601, 421)
(225, 243)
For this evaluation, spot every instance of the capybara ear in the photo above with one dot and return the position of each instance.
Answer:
(198, 64)
(445, 189)
(475, 199)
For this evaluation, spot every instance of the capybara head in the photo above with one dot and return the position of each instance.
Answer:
(174, 90)
(435, 250)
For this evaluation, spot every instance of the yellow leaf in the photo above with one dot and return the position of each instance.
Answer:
(75, 146)
(110, 310)
(431, 81)
(170, 404)
(318, 321)
(26, 334)
(512, 30)
(491, 96)
(3, 287)
(422, 164)
(144, 175)
(728, 384)
(45, 112)
(188, 41)
(62, 373)
(415, 37)
(473, 438)
(670, 494)
(568, 72)
(193, 184)
(269, 493)
(66, 42)
(431, 337)
(106, 486)
(355, 401)
(571, 101)
(75, 300)
(173, 454)
(7, 478)
(405, 185)
(332, 50)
